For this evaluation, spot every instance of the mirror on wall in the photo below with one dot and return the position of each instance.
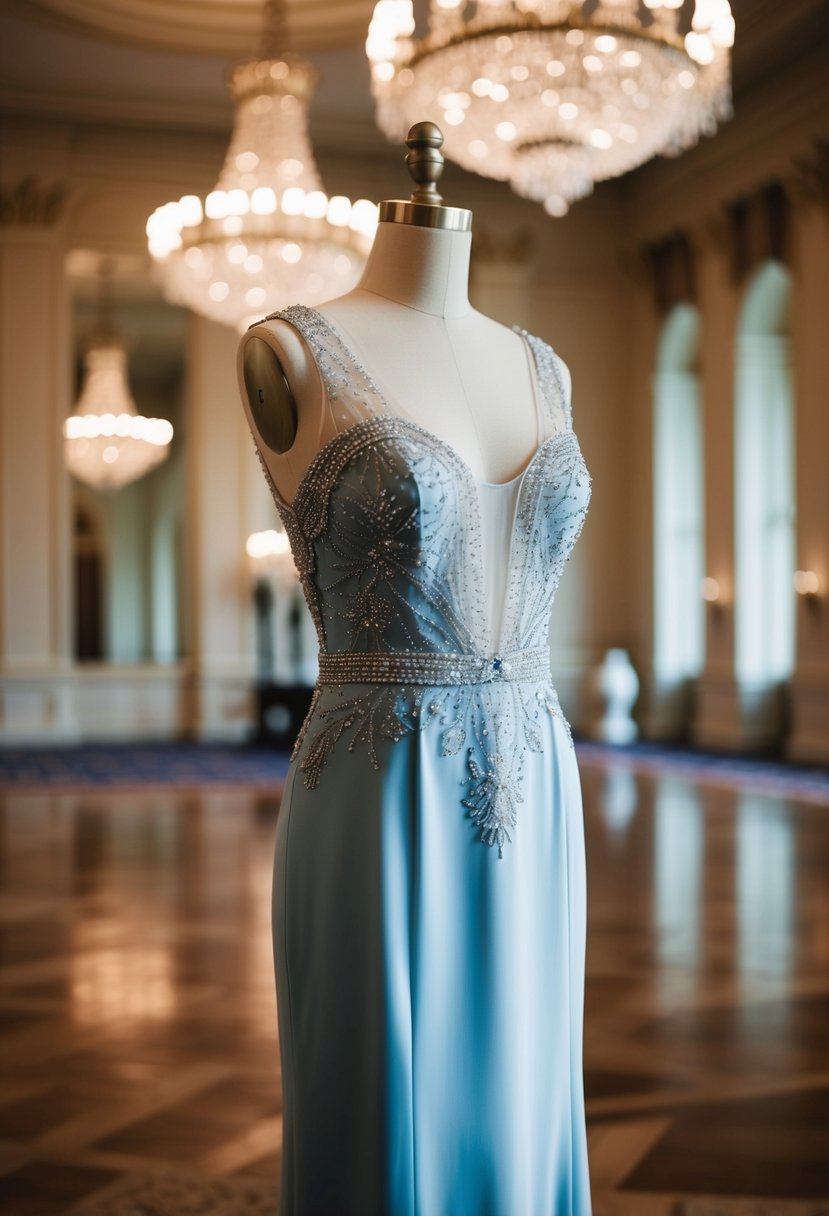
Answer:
(129, 569)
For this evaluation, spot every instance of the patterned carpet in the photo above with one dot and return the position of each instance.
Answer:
(181, 1195)
(190, 1195)
(749, 1207)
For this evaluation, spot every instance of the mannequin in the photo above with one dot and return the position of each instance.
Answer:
(463, 376)
(428, 898)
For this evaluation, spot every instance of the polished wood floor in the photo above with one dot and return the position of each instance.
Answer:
(139, 1069)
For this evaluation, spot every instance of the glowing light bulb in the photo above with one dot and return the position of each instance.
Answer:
(190, 210)
(806, 582)
(263, 201)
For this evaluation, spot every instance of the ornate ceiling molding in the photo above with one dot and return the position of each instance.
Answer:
(672, 271)
(760, 225)
(229, 28)
(31, 203)
(811, 175)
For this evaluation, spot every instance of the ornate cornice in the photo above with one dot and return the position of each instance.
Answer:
(759, 228)
(743, 231)
(810, 179)
(32, 203)
(229, 28)
(672, 275)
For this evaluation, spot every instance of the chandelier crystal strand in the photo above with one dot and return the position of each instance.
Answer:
(549, 95)
(267, 235)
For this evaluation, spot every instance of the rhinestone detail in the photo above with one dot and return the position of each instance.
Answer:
(430, 669)
(385, 529)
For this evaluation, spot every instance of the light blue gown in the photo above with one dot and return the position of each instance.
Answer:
(429, 887)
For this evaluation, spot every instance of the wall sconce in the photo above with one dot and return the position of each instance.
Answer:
(807, 585)
(711, 592)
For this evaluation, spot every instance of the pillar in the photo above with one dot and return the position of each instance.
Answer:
(221, 475)
(718, 719)
(808, 738)
(34, 516)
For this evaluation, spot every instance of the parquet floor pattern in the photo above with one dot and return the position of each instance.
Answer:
(139, 1065)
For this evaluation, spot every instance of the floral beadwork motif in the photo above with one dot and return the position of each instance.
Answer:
(386, 532)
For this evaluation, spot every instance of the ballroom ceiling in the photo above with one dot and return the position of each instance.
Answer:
(161, 65)
(163, 62)
(77, 61)
(217, 27)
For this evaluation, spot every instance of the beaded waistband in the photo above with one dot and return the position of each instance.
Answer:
(432, 668)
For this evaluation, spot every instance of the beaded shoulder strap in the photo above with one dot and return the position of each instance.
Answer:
(352, 394)
(551, 382)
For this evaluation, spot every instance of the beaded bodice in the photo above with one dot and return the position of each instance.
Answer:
(386, 533)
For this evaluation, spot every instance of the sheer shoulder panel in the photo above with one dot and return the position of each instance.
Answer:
(554, 395)
(352, 394)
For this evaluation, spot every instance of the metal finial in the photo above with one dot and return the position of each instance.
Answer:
(425, 208)
(425, 162)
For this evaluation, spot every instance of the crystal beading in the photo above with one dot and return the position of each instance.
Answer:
(385, 527)
(432, 669)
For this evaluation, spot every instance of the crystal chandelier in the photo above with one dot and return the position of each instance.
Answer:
(107, 443)
(267, 235)
(554, 95)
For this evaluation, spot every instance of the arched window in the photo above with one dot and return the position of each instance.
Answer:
(679, 625)
(764, 483)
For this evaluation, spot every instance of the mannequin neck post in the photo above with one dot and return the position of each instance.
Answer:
(422, 268)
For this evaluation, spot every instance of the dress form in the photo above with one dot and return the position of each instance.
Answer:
(429, 895)
(464, 377)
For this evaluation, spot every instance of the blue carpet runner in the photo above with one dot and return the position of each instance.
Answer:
(107, 765)
(129, 765)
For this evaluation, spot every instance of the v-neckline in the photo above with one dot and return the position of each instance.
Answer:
(374, 421)
(381, 422)
(393, 408)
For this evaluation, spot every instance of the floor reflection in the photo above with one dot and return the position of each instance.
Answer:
(138, 1021)
(765, 879)
(678, 859)
(123, 984)
(620, 798)
(707, 995)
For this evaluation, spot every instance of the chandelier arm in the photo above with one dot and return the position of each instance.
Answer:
(432, 42)
(104, 324)
(274, 40)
